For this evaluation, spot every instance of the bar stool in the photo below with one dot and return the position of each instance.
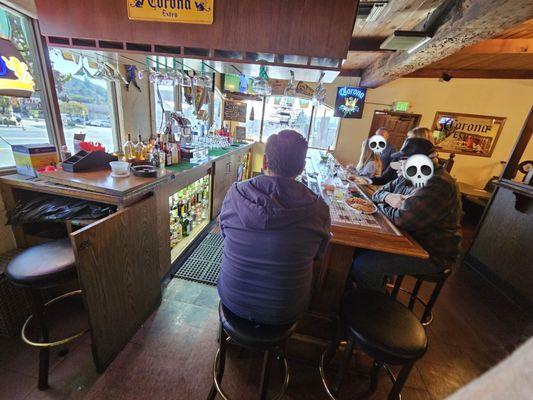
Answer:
(268, 338)
(438, 279)
(384, 330)
(42, 267)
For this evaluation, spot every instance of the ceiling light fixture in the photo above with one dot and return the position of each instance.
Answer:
(405, 40)
(420, 44)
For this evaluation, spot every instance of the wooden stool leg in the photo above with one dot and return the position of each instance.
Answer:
(265, 375)
(374, 374)
(44, 353)
(344, 363)
(221, 363)
(414, 294)
(400, 381)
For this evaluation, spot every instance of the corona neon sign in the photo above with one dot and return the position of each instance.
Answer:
(15, 77)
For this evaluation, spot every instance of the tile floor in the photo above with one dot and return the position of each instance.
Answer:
(170, 356)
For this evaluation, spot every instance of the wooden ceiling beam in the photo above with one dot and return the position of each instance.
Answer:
(472, 73)
(501, 46)
(367, 44)
(350, 72)
(468, 23)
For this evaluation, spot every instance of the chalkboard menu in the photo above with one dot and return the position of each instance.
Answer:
(235, 111)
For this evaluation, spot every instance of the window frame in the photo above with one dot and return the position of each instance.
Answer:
(41, 77)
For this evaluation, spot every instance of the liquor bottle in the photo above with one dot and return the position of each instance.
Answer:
(154, 158)
(168, 156)
(129, 149)
(179, 231)
(162, 156)
(185, 225)
(140, 151)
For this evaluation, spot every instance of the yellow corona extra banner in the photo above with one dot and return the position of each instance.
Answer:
(180, 11)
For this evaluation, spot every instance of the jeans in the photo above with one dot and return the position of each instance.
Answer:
(370, 268)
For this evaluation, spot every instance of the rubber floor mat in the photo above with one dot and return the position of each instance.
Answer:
(203, 265)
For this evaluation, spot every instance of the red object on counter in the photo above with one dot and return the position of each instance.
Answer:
(92, 146)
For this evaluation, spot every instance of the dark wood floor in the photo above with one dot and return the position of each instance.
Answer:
(171, 356)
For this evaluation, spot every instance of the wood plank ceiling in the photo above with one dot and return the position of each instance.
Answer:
(507, 51)
(508, 55)
(368, 35)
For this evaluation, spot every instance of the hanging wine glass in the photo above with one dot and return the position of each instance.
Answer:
(290, 90)
(154, 76)
(260, 85)
(319, 94)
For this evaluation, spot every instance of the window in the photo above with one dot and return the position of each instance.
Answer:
(199, 118)
(22, 120)
(286, 113)
(254, 110)
(324, 129)
(87, 103)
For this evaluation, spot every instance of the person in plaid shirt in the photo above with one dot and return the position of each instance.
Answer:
(431, 214)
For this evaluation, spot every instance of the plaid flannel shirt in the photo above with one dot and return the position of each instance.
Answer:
(431, 214)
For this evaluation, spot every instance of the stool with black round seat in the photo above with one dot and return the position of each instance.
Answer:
(42, 267)
(268, 338)
(382, 328)
(438, 278)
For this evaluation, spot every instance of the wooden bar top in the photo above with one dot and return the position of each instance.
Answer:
(100, 185)
(373, 232)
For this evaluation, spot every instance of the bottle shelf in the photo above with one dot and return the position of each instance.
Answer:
(189, 214)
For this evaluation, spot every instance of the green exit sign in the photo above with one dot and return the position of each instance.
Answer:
(401, 106)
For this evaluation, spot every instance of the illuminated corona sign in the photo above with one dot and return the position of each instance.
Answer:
(15, 77)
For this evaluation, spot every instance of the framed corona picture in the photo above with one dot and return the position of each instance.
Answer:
(468, 134)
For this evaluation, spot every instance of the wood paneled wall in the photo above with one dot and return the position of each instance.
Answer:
(319, 28)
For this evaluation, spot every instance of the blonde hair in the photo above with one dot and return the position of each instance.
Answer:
(421, 133)
(368, 155)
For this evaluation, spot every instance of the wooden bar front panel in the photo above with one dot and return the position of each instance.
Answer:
(117, 259)
(304, 27)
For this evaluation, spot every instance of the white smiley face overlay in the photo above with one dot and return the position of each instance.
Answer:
(418, 169)
(377, 143)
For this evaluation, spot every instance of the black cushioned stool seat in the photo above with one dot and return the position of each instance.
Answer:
(268, 338)
(44, 265)
(382, 328)
(252, 335)
(41, 267)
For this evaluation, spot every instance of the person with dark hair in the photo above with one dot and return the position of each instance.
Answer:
(273, 228)
(431, 214)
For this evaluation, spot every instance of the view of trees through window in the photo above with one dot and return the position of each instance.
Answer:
(85, 101)
(22, 120)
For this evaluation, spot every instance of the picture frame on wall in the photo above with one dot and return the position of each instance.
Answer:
(467, 134)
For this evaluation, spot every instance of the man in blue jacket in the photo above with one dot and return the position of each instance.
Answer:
(273, 227)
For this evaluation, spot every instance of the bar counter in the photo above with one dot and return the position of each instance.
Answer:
(122, 258)
(351, 232)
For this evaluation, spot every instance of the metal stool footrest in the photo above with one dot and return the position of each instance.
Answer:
(225, 396)
(326, 384)
(57, 342)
